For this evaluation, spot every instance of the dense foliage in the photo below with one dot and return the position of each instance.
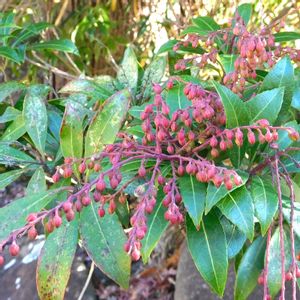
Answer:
(136, 152)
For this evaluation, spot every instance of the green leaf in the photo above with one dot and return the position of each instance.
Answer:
(193, 194)
(153, 74)
(265, 105)
(214, 194)
(282, 75)
(63, 45)
(286, 36)
(10, 114)
(9, 177)
(35, 115)
(15, 130)
(86, 87)
(136, 111)
(283, 138)
(13, 215)
(55, 261)
(208, 248)
(249, 269)
(227, 61)
(103, 240)
(287, 215)
(10, 87)
(10, 54)
(176, 98)
(122, 210)
(9, 155)
(37, 182)
(237, 206)
(205, 25)
(245, 11)
(30, 31)
(156, 224)
(234, 237)
(71, 131)
(296, 99)
(265, 201)
(128, 70)
(236, 116)
(106, 124)
(274, 267)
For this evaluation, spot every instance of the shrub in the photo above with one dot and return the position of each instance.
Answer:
(219, 155)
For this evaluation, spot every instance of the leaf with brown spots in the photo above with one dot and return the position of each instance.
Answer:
(55, 261)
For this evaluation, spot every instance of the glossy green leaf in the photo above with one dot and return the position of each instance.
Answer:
(237, 206)
(287, 215)
(10, 87)
(35, 115)
(15, 130)
(153, 74)
(205, 25)
(265, 105)
(9, 177)
(227, 61)
(245, 12)
(123, 213)
(55, 261)
(282, 75)
(176, 98)
(10, 54)
(236, 115)
(283, 138)
(156, 224)
(296, 99)
(37, 182)
(10, 114)
(286, 36)
(214, 194)
(71, 131)
(63, 45)
(193, 195)
(274, 267)
(10, 156)
(128, 70)
(265, 201)
(107, 122)
(208, 248)
(103, 240)
(136, 111)
(14, 214)
(234, 237)
(249, 269)
(30, 31)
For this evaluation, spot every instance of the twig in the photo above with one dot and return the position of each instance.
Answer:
(87, 281)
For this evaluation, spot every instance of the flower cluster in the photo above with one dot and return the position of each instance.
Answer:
(180, 139)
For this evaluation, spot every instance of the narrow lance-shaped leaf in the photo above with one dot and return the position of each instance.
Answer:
(282, 75)
(237, 206)
(14, 215)
(37, 182)
(35, 115)
(209, 251)
(214, 194)
(15, 130)
(227, 61)
(63, 45)
(234, 237)
(249, 269)
(286, 36)
(236, 116)
(107, 122)
(103, 240)
(10, 114)
(10, 87)
(265, 201)
(71, 131)
(9, 177)
(11, 156)
(245, 11)
(156, 224)
(176, 99)
(55, 261)
(193, 195)
(129, 72)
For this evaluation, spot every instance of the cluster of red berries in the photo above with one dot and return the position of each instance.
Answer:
(252, 51)
(177, 138)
